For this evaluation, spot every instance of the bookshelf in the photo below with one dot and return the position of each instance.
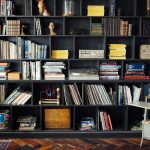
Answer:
(74, 33)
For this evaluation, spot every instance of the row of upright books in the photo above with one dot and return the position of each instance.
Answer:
(117, 27)
(7, 8)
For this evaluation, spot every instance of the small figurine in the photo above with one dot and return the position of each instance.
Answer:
(52, 28)
(22, 30)
(42, 8)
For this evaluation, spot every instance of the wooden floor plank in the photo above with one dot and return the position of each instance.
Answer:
(77, 144)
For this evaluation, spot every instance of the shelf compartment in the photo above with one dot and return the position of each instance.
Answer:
(77, 26)
(141, 8)
(138, 42)
(129, 41)
(60, 5)
(24, 87)
(83, 112)
(45, 21)
(63, 43)
(44, 88)
(22, 111)
(127, 7)
(49, 6)
(64, 71)
(60, 118)
(117, 115)
(135, 120)
(108, 87)
(90, 2)
(89, 43)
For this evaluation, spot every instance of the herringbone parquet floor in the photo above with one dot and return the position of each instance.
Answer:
(77, 144)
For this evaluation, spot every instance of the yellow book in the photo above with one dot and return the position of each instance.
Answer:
(95, 7)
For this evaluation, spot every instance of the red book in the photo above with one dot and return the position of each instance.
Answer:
(136, 77)
(107, 121)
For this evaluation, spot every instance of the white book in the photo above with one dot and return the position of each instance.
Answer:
(17, 99)
(24, 99)
(24, 71)
(38, 70)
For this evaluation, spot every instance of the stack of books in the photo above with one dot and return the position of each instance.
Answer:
(6, 8)
(14, 76)
(13, 27)
(95, 10)
(10, 52)
(54, 71)
(87, 123)
(4, 69)
(72, 94)
(31, 70)
(27, 122)
(105, 121)
(33, 50)
(97, 95)
(109, 71)
(97, 29)
(18, 97)
(60, 54)
(83, 74)
(117, 51)
(2, 93)
(4, 119)
(50, 96)
(135, 71)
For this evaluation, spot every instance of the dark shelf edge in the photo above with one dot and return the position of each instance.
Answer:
(71, 134)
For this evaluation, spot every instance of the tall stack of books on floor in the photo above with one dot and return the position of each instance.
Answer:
(117, 51)
(10, 52)
(27, 122)
(95, 10)
(3, 88)
(31, 70)
(4, 69)
(97, 29)
(60, 54)
(83, 74)
(105, 121)
(127, 95)
(135, 71)
(54, 71)
(18, 97)
(97, 95)
(109, 71)
(13, 27)
(72, 94)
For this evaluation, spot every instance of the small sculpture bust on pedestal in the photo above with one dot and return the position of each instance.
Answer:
(42, 8)
(52, 28)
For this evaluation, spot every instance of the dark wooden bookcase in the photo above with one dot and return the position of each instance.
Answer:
(122, 115)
